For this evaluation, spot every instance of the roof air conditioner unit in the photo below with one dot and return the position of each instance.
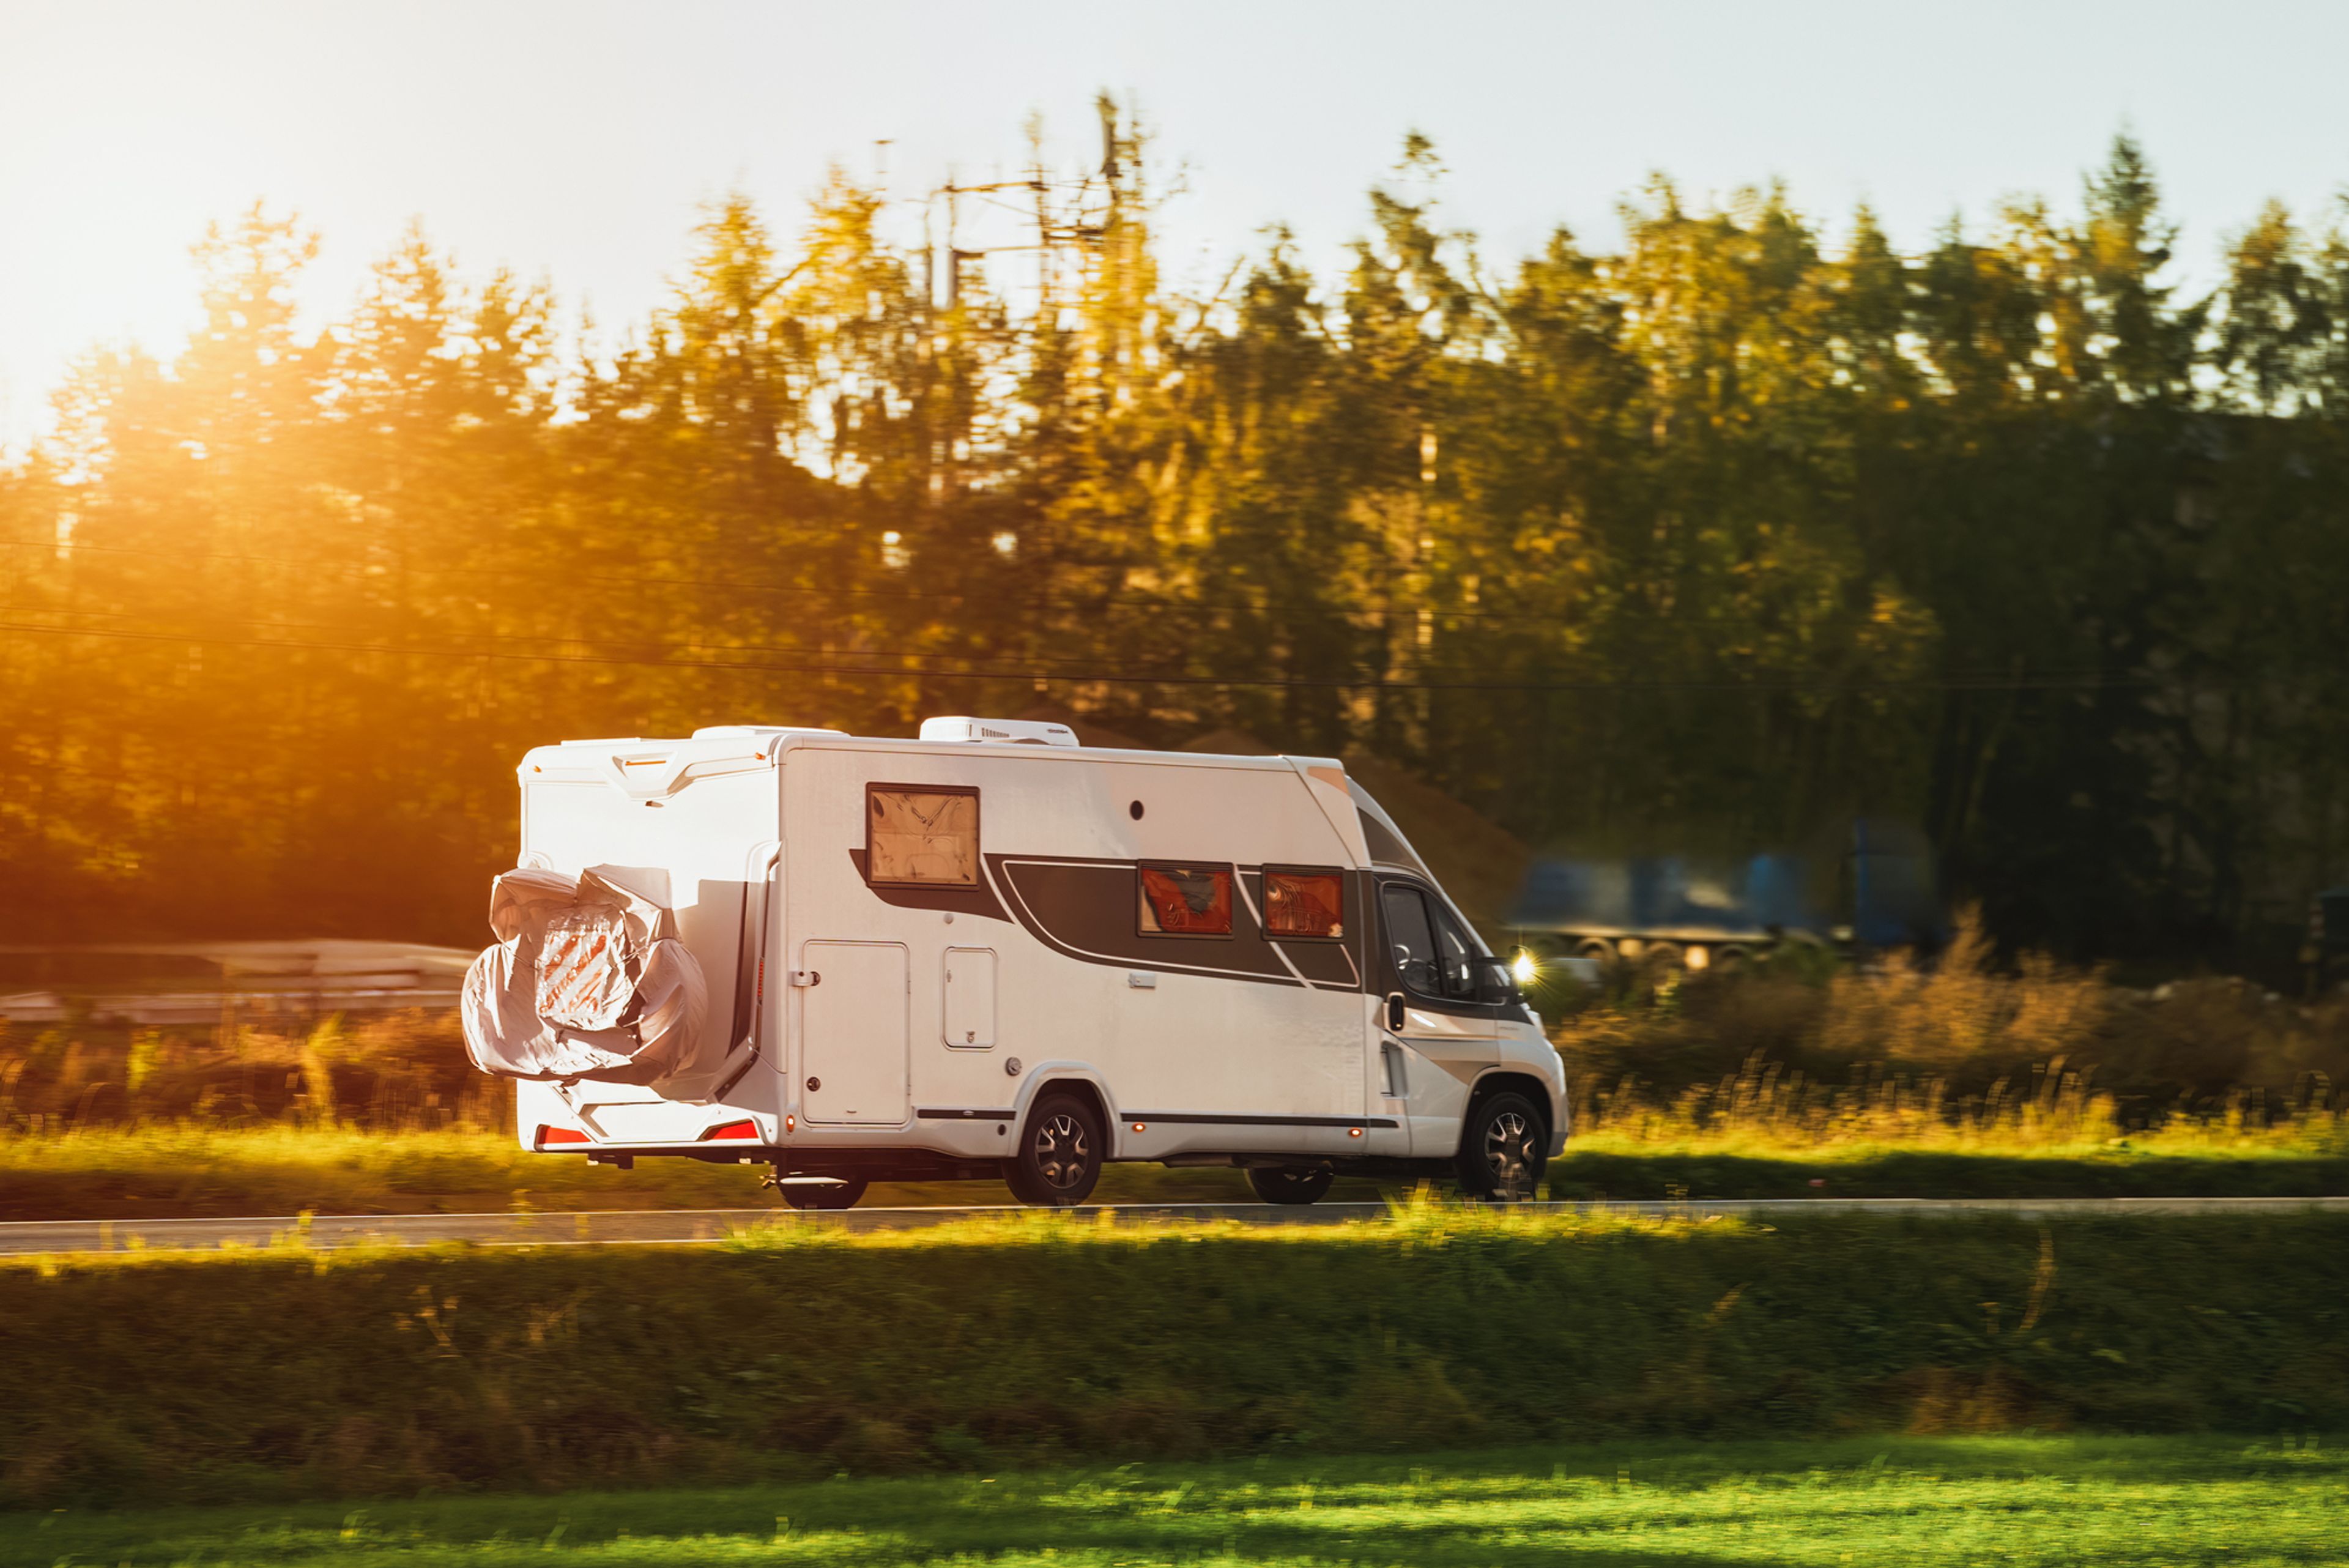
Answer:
(1000, 731)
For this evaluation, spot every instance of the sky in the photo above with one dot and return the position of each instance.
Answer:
(574, 141)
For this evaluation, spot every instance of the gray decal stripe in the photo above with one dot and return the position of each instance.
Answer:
(1187, 1118)
(979, 900)
(952, 1116)
(1154, 957)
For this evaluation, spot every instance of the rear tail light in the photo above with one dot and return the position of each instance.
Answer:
(547, 1135)
(745, 1131)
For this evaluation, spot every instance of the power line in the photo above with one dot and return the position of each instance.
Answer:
(1950, 678)
(1139, 673)
(1128, 601)
(1757, 688)
(1649, 628)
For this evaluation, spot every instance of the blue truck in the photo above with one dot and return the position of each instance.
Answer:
(1870, 887)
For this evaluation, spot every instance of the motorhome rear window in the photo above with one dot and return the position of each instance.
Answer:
(1186, 900)
(921, 835)
(1304, 903)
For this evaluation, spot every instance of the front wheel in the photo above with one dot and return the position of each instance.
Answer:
(842, 1194)
(1059, 1156)
(1290, 1183)
(1503, 1150)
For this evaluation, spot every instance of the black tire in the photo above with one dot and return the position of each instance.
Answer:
(1290, 1183)
(1504, 1148)
(823, 1195)
(1059, 1157)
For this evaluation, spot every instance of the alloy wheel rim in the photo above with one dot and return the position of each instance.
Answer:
(1062, 1151)
(1509, 1154)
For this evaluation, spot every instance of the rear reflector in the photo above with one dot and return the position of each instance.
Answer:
(742, 1131)
(547, 1135)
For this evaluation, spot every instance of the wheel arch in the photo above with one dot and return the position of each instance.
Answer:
(1081, 1082)
(1505, 1080)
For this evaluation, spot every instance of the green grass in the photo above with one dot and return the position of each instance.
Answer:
(172, 1170)
(1046, 1339)
(1920, 1504)
(1603, 1166)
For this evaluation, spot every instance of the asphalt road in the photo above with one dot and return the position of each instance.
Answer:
(639, 1227)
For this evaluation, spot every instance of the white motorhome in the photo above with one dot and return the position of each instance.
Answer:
(993, 953)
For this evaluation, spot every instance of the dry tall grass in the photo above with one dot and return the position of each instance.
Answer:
(404, 1071)
(1959, 1051)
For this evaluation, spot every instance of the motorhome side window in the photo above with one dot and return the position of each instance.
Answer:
(1186, 900)
(922, 834)
(1310, 904)
(1431, 952)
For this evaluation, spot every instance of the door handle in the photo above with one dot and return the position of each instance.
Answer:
(1396, 1011)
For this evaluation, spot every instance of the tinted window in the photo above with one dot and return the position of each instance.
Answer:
(1434, 956)
(1186, 900)
(1411, 939)
(918, 835)
(1458, 954)
(1304, 903)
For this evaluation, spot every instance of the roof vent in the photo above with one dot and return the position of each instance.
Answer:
(999, 732)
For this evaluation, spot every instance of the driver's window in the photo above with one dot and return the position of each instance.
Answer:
(1412, 940)
(1456, 954)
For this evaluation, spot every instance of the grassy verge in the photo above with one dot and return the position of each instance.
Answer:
(1932, 1501)
(1608, 1166)
(1039, 1340)
(171, 1172)
(191, 1171)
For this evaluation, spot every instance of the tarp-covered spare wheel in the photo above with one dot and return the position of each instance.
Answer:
(582, 984)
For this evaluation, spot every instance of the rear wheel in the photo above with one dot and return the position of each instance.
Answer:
(1290, 1183)
(1059, 1156)
(1503, 1149)
(823, 1194)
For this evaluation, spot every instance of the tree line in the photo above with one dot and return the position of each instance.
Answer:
(1701, 542)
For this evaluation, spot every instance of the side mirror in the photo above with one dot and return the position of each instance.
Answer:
(1496, 984)
(1394, 1012)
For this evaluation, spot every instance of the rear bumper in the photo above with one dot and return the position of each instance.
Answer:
(870, 1164)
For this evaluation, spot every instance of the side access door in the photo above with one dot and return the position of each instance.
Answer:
(1434, 1036)
(856, 1032)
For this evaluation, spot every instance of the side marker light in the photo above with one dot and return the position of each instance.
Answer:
(744, 1131)
(1353, 1132)
(1142, 1126)
(547, 1135)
